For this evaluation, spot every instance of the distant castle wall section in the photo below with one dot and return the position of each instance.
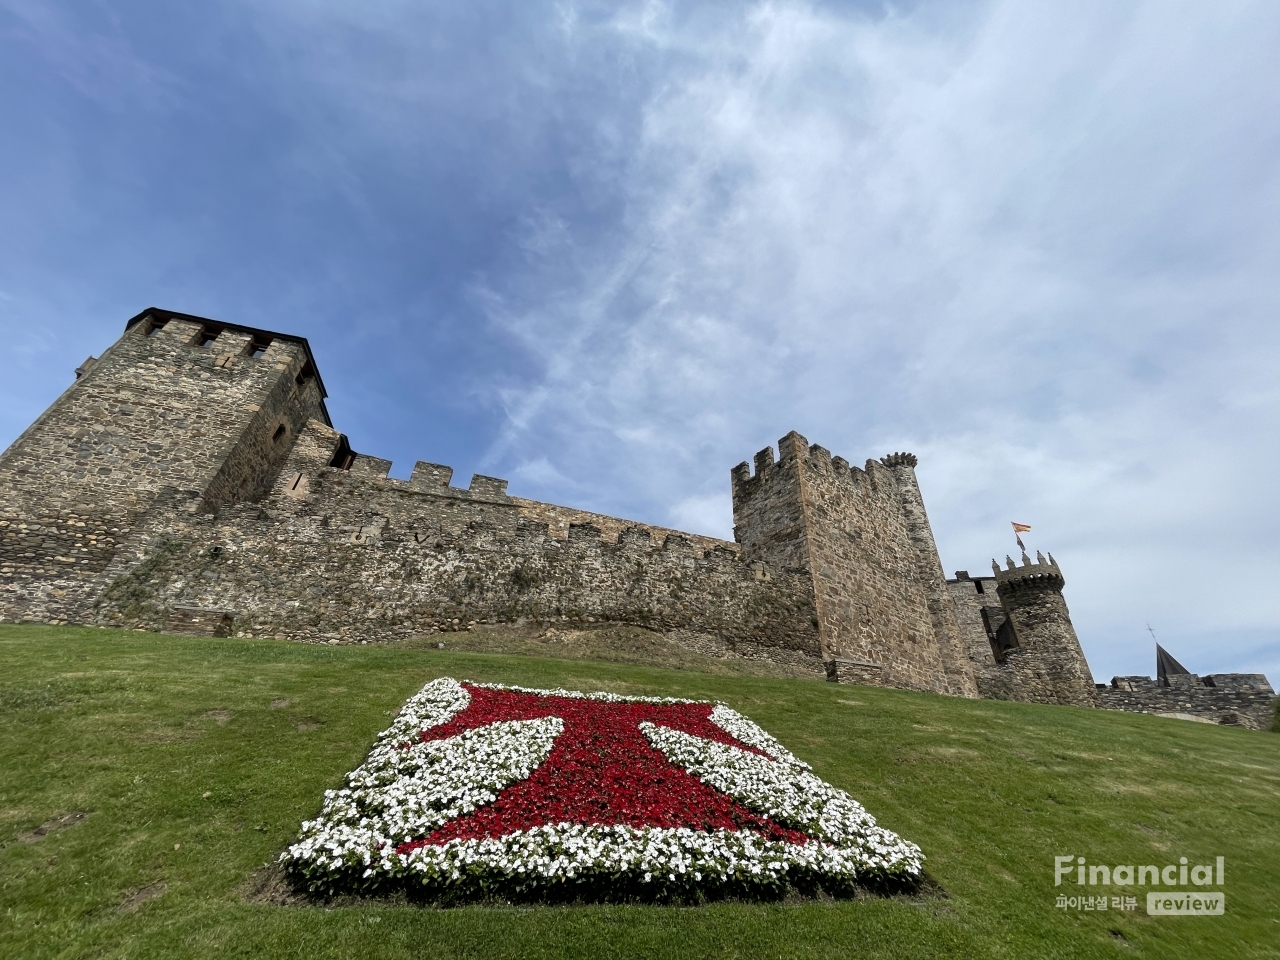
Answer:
(1234, 699)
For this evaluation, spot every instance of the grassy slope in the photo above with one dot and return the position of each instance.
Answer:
(137, 728)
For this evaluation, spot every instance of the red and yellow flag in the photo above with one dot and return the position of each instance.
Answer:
(1020, 527)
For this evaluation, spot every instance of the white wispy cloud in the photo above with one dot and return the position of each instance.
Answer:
(1036, 246)
(1033, 243)
(95, 57)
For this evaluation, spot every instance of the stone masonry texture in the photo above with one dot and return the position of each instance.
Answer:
(1237, 699)
(1045, 663)
(862, 538)
(190, 480)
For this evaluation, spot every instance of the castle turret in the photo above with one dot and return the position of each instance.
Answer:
(1045, 664)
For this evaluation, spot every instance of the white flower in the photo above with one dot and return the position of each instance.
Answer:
(408, 787)
(786, 791)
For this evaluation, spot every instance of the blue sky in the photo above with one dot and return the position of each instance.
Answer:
(608, 251)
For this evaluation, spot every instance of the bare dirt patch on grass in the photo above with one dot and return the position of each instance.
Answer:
(140, 895)
(60, 822)
(270, 885)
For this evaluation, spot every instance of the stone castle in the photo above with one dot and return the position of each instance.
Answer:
(190, 480)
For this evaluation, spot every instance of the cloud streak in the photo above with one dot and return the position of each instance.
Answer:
(1038, 249)
(610, 250)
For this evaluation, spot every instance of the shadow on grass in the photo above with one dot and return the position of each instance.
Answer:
(273, 885)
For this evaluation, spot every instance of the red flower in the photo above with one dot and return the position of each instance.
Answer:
(601, 770)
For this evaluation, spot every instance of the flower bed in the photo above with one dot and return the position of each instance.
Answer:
(479, 789)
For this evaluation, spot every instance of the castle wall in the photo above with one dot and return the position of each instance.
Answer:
(1234, 699)
(850, 530)
(190, 481)
(970, 596)
(52, 559)
(559, 519)
(349, 555)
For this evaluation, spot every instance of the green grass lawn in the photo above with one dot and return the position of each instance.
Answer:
(196, 759)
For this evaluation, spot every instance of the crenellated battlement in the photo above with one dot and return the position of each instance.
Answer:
(1232, 699)
(1042, 574)
(432, 479)
(483, 486)
(190, 479)
(795, 452)
(900, 460)
(430, 476)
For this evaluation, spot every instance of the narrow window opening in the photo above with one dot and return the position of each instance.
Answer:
(297, 486)
(257, 347)
(977, 585)
(344, 456)
(278, 434)
(206, 336)
(999, 632)
(304, 375)
(154, 326)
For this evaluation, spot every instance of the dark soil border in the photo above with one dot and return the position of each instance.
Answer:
(272, 884)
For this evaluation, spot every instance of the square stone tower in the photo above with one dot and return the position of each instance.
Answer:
(178, 402)
(885, 614)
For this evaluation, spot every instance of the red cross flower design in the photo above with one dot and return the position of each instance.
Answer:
(488, 787)
(601, 770)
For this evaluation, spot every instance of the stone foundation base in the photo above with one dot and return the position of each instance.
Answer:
(856, 671)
